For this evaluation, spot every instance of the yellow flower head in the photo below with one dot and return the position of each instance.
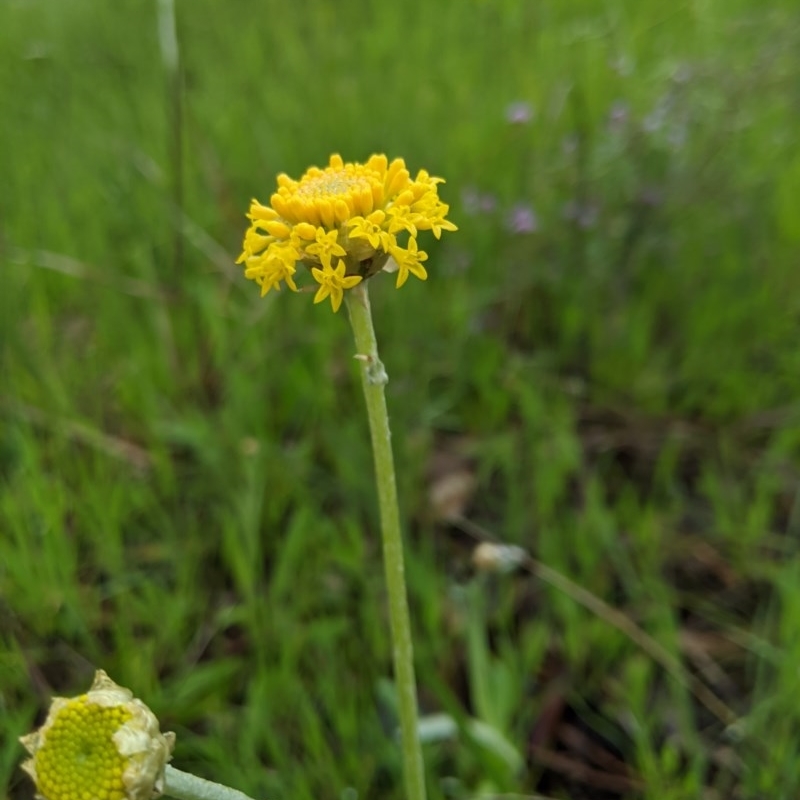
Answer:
(103, 744)
(344, 223)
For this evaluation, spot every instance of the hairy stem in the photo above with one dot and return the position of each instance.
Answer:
(373, 379)
(184, 786)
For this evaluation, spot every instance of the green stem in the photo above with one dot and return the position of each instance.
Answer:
(185, 786)
(373, 379)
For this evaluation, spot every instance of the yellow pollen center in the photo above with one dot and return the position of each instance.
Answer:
(329, 197)
(331, 185)
(79, 759)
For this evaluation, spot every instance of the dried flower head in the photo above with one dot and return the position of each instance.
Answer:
(103, 744)
(344, 223)
(498, 558)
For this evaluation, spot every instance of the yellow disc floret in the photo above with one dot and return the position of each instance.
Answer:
(102, 745)
(345, 223)
(79, 752)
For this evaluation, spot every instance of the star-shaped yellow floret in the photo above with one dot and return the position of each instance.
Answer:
(325, 246)
(254, 243)
(369, 228)
(408, 261)
(332, 283)
(269, 271)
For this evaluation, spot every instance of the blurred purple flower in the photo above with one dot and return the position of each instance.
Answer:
(522, 219)
(519, 113)
(618, 115)
(659, 116)
(470, 199)
(677, 136)
(584, 215)
(488, 203)
(476, 202)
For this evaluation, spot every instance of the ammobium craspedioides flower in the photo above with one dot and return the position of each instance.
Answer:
(102, 745)
(343, 222)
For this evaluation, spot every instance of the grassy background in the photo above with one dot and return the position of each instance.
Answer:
(186, 496)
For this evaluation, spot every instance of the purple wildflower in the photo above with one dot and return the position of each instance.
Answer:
(522, 219)
(584, 215)
(488, 203)
(476, 202)
(519, 113)
(618, 115)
